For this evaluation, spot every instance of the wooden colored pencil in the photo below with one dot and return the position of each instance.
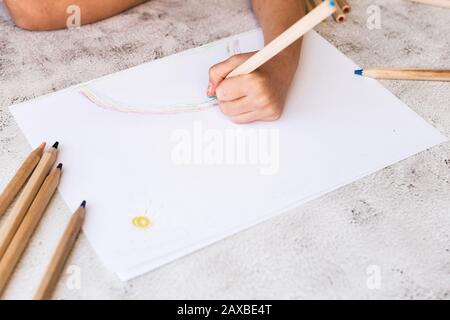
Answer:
(405, 74)
(13, 187)
(27, 227)
(26, 197)
(437, 3)
(56, 266)
(342, 7)
(309, 21)
(339, 15)
(345, 6)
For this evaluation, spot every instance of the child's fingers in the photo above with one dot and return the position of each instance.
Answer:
(218, 72)
(247, 117)
(236, 107)
(264, 114)
(233, 88)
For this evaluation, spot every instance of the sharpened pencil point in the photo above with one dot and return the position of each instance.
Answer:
(55, 145)
(359, 72)
(60, 166)
(83, 204)
(41, 148)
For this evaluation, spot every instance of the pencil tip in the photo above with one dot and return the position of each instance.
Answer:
(332, 3)
(55, 145)
(41, 148)
(60, 166)
(83, 204)
(359, 72)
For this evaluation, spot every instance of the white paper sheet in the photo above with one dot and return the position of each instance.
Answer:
(336, 129)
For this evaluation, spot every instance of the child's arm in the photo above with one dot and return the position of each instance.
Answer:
(52, 14)
(260, 95)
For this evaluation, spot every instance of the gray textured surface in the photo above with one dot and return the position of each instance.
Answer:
(397, 219)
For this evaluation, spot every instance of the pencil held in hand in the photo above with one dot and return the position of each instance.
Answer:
(405, 74)
(19, 179)
(295, 32)
(61, 254)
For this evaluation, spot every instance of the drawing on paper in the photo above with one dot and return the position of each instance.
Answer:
(106, 102)
(141, 222)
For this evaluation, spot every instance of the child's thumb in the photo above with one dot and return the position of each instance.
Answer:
(218, 72)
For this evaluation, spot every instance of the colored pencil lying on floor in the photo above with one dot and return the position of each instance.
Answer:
(27, 227)
(437, 3)
(13, 187)
(295, 32)
(345, 6)
(405, 74)
(56, 266)
(26, 197)
(338, 15)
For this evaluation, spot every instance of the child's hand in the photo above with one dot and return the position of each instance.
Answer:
(257, 96)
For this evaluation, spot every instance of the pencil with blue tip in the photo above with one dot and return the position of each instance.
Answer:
(405, 74)
(63, 250)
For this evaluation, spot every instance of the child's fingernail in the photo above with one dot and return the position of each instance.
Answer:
(210, 93)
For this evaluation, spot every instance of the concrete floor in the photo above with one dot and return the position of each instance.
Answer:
(386, 236)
